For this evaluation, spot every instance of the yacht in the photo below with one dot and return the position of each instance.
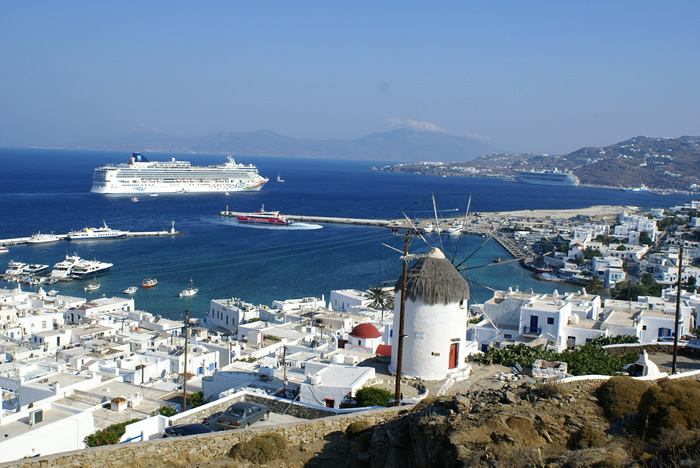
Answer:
(130, 290)
(140, 175)
(35, 268)
(15, 268)
(63, 269)
(86, 268)
(96, 233)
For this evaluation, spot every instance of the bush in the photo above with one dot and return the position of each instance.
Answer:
(548, 390)
(197, 399)
(620, 396)
(109, 435)
(165, 410)
(671, 404)
(587, 437)
(371, 396)
(261, 449)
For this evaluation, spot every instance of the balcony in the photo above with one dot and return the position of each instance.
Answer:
(532, 331)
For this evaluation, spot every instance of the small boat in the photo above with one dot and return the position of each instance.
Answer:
(130, 290)
(455, 229)
(149, 283)
(134, 199)
(279, 179)
(191, 291)
(4, 249)
(153, 195)
(497, 260)
(92, 287)
(52, 293)
(264, 217)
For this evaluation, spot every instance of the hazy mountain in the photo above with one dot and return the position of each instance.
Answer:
(400, 145)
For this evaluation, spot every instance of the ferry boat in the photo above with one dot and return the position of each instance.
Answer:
(264, 217)
(130, 290)
(191, 291)
(140, 175)
(40, 238)
(86, 268)
(4, 249)
(149, 283)
(96, 233)
(548, 177)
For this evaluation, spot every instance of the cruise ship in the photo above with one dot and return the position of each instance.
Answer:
(548, 177)
(140, 175)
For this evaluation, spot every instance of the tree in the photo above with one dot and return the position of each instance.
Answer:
(644, 238)
(594, 285)
(372, 396)
(381, 298)
(197, 399)
(589, 253)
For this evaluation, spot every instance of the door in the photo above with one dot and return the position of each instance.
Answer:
(534, 321)
(453, 356)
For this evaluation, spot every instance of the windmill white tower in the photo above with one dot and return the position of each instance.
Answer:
(435, 319)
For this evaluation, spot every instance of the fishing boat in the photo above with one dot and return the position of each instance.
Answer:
(130, 290)
(134, 199)
(279, 179)
(191, 291)
(264, 217)
(149, 283)
(92, 287)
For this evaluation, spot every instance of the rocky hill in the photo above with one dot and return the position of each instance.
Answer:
(657, 163)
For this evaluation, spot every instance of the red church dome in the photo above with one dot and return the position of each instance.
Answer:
(365, 330)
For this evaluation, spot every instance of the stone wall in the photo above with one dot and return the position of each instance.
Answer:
(201, 448)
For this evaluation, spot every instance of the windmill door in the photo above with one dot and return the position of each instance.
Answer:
(453, 356)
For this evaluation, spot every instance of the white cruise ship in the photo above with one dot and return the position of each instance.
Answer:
(140, 175)
(549, 177)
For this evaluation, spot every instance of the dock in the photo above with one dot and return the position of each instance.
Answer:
(62, 237)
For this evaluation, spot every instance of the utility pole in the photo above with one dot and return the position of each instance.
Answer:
(678, 308)
(184, 379)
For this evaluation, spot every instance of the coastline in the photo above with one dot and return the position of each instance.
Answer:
(597, 212)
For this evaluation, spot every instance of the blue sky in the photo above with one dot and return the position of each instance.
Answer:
(545, 77)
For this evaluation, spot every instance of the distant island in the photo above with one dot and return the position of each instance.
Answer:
(663, 165)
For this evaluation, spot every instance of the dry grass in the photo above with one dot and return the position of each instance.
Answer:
(620, 396)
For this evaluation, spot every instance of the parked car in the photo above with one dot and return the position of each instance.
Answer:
(181, 430)
(240, 415)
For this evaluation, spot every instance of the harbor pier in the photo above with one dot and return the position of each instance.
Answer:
(62, 237)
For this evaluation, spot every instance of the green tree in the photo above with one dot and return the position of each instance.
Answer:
(589, 253)
(380, 298)
(165, 410)
(372, 396)
(594, 285)
(621, 248)
(197, 399)
(644, 239)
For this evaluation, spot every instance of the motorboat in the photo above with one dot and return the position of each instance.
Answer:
(191, 291)
(15, 268)
(3, 249)
(130, 290)
(52, 293)
(134, 199)
(35, 268)
(86, 268)
(149, 283)
(264, 217)
(40, 238)
(455, 229)
(92, 287)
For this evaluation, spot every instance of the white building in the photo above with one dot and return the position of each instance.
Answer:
(435, 319)
(330, 384)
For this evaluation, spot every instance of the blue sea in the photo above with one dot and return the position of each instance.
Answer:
(48, 190)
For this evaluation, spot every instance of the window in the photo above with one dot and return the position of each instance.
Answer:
(644, 327)
(550, 320)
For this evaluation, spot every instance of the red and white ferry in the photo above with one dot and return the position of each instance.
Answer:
(264, 217)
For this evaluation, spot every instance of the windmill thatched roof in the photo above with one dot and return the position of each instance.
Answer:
(433, 280)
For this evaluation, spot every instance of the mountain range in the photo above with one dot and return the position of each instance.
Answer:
(396, 145)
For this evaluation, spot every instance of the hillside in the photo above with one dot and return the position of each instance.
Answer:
(657, 163)
(396, 145)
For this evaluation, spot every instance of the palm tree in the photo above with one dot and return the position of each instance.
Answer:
(381, 298)
(594, 285)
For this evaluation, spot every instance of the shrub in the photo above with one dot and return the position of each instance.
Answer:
(620, 396)
(356, 428)
(372, 396)
(548, 390)
(109, 435)
(671, 404)
(165, 410)
(261, 449)
(587, 437)
(197, 399)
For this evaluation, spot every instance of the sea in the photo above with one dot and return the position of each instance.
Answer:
(48, 191)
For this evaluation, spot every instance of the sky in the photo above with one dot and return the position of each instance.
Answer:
(543, 77)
